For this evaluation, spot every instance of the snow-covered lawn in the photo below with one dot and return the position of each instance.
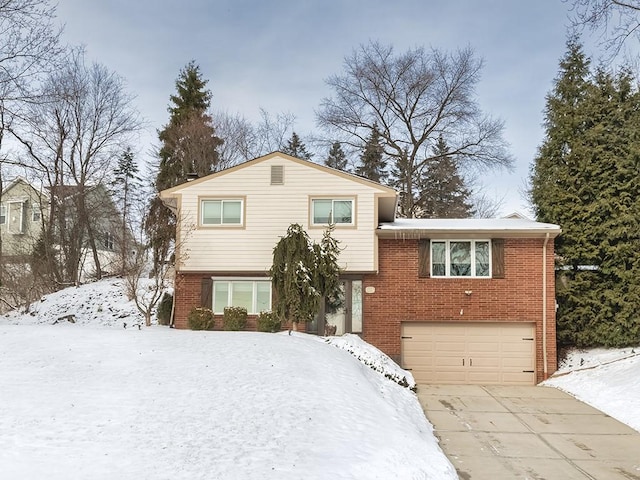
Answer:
(608, 379)
(95, 400)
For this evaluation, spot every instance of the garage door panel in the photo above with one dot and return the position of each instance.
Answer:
(491, 353)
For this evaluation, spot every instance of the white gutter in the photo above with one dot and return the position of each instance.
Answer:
(544, 307)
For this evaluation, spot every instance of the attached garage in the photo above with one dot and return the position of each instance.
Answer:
(469, 353)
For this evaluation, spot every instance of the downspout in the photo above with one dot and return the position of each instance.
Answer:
(544, 307)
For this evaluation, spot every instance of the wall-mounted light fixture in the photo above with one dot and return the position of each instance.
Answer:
(468, 292)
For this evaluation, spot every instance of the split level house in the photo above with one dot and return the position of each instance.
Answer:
(454, 301)
(24, 213)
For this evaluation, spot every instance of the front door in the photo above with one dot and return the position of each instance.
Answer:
(342, 314)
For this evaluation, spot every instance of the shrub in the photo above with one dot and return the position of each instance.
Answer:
(235, 318)
(164, 309)
(269, 322)
(200, 319)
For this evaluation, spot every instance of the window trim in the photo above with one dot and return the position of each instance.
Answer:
(254, 293)
(447, 267)
(243, 210)
(334, 198)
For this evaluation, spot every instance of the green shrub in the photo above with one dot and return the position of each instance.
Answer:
(269, 322)
(200, 319)
(235, 318)
(164, 309)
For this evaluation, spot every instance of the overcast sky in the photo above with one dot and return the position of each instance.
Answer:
(277, 54)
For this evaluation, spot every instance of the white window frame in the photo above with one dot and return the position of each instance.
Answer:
(331, 221)
(3, 214)
(222, 202)
(254, 293)
(447, 268)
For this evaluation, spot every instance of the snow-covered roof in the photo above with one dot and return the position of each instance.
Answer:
(490, 227)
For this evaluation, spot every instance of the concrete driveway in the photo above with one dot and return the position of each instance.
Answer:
(496, 432)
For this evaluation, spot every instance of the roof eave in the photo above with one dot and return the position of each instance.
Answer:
(414, 234)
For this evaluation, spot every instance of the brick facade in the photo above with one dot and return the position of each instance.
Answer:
(400, 296)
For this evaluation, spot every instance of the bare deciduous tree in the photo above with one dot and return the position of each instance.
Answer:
(244, 141)
(72, 138)
(616, 20)
(414, 98)
(28, 47)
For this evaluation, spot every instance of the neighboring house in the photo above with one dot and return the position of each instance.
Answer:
(21, 216)
(24, 211)
(455, 301)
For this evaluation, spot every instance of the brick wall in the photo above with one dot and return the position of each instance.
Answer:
(188, 289)
(400, 296)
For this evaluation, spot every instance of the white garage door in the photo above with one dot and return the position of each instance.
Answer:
(469, 353)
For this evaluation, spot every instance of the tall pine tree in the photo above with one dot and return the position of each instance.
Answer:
(443, 193)
(336, 158)
(585, 179)
(372, 163)
(188, 146)
(127, 192)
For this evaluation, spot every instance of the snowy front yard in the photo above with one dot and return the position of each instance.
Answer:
(114, 403)
(607, 379)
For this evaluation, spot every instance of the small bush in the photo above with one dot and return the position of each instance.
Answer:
(269, 322)
(164, 309)
(235, 318)
(200, 319)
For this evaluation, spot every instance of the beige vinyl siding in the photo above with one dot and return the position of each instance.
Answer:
(269, 210)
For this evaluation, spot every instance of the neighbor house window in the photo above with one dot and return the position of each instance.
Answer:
(3, 214)
(254, 295)
(107, 241)
(36, 214)
(336, 211)
(221, 212)
(460, 258)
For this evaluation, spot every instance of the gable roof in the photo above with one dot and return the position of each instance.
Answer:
(18, 180)
(332, 171)
(465, 227)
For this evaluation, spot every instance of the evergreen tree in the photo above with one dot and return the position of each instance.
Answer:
(372, 163)
(296, 148)
(303, 273)
(585, 179)
(336, 158)
(127, 192)
(188, 146)
(443, 192)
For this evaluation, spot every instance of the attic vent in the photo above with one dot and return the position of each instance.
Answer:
(277, 174)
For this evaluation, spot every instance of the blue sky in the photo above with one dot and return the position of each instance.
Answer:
(277, 54)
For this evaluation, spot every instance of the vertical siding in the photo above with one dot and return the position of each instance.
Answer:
(269, 210)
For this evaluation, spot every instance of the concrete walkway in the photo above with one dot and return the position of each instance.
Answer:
(496, 432)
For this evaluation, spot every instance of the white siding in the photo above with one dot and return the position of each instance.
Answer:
(269, 210)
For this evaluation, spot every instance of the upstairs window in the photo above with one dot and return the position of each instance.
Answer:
(221, 212)
(332, 211)
(36, 214)
(460, 258)
(3, 214)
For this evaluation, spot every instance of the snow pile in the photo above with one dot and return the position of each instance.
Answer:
(103, 403)
(373, 358)
(101, 303)
(608, 380)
